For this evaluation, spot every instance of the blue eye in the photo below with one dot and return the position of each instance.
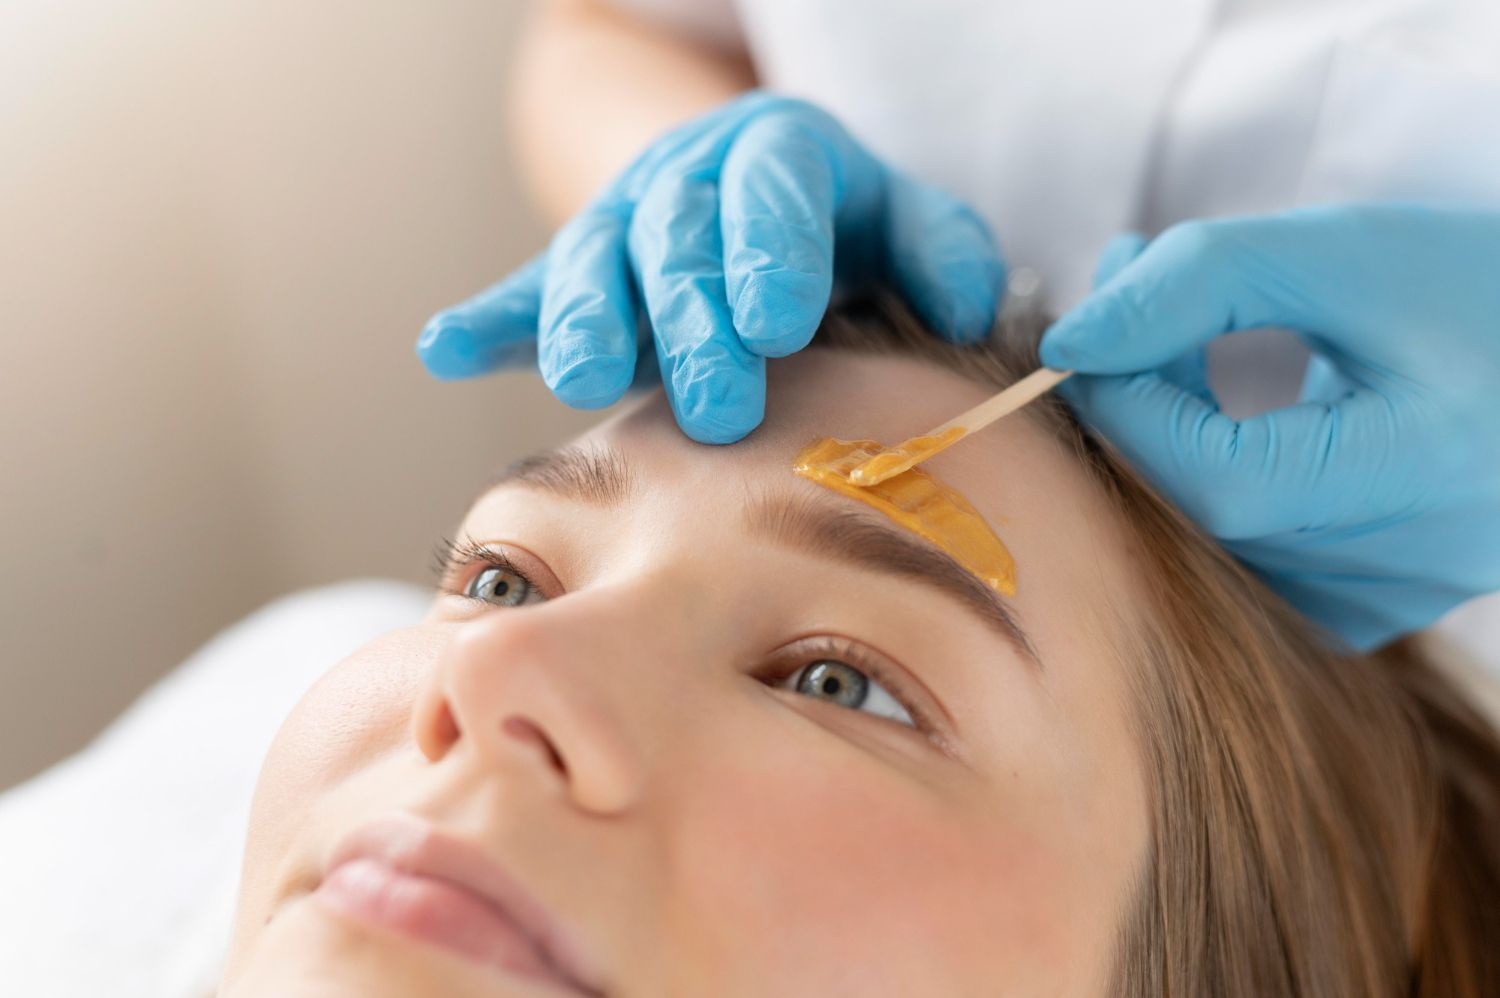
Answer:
(502, 586)
(843, 685)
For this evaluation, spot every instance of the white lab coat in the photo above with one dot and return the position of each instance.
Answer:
(1065, 122)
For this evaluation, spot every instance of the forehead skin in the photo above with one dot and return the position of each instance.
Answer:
(1074, 571)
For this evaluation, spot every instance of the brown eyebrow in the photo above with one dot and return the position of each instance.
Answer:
(600, 477)
(597, 476)
(806, 524)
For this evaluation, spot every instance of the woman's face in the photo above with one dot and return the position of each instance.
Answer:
(737, 734)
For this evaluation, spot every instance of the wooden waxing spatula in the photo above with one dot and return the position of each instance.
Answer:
(894, 460)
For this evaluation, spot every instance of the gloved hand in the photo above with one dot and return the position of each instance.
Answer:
(1374, 511)
(725, 233)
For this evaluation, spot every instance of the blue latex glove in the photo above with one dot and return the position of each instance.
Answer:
(1373, 510)
(724, 232)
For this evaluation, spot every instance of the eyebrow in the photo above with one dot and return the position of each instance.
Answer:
(804, 523)
(598, 476)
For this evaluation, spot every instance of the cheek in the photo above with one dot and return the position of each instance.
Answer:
(829, 864)
(359, 709)
(358, 712)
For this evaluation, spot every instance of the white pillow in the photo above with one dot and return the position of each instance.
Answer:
(119, 865)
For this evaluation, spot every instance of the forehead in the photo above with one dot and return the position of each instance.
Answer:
(1070, 546)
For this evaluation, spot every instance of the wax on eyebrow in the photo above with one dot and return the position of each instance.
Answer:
(916, 501)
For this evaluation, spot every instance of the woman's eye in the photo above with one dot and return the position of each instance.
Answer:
(503, 587)
(842, 684)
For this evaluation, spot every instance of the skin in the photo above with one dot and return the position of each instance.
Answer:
(712, 830)
(573, 132)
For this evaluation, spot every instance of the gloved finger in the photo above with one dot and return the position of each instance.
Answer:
(1121, 250)
(776, 207)
(1244, 478)
(586, 340)
(716, 387)
(495, 328)
(941, 256)
(1194, 282)
(1188, 371)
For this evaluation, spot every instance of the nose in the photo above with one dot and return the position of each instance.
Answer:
(543, 694)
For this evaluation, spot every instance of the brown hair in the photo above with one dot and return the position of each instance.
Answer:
(1321, 823)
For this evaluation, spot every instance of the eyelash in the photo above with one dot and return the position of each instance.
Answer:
(451, 558)
(804, 652)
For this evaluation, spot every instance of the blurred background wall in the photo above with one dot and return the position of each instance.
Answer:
(222, 225)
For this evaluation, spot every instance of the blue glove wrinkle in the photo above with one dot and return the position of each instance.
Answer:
(779, 297)
(778, 198)
(494, 329)
(716, 386)
(711, 407)
(586, 335)
(581, 371)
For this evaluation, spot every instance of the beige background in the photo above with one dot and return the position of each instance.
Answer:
(222, 224)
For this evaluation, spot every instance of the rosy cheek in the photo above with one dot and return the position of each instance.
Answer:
(812, 863)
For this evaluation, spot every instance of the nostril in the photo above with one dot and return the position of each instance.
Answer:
(434, 727)
(525, 730)
(447, 724)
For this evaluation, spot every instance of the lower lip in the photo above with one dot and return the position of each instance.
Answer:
(433, 911)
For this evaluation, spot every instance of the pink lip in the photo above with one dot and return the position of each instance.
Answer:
(404, 874)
